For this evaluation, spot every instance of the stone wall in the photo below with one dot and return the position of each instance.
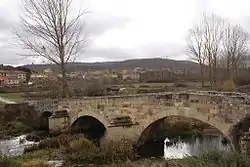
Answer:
(59, 121)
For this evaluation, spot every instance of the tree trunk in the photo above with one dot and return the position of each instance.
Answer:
(210, 71)
(228, 69)
(215, 74)
(202, 75)
(235, 71)
(65, 87)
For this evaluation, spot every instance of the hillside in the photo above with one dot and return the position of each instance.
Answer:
(22, 68)
(156, 63)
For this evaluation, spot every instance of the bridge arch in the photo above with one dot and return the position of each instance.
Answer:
(97, 116)
(216, 122)
(91, 127)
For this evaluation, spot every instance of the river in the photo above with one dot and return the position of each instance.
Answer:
(196, 146)
(172, 150)
(14, 146)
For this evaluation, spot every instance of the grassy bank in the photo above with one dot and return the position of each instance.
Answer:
(212, 159)
(76, 151)
(16, 97)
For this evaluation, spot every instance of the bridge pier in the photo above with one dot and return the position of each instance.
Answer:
(59, 121)
(120, 132)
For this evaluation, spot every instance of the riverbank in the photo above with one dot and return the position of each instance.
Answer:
(19, 118)
(78, 152)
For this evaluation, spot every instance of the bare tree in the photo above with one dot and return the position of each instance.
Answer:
(195, 48)
(47, 30)
(213, 35)
(234, 48)
(204, 44)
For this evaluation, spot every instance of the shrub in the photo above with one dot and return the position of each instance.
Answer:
(180, 85)
(119, 151)
(228, 85)
(33, 137)
(52, 143)
(4, 162)
(217, 159)
(94, 89)
(49, 143)
(36, 163)
(144, 86)
(82, 144)
(142, 91)
(83, 151)
(242, 81)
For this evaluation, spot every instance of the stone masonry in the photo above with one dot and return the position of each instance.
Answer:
(222, 110)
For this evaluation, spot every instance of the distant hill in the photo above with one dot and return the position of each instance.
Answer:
(22, 68)
(155, 63)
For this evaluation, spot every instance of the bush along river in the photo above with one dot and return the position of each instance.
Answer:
(173, 149)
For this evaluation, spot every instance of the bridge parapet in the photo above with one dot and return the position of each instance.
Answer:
(45, 105)
(199, 97)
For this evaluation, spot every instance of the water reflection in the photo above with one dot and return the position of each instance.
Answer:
(182, 148)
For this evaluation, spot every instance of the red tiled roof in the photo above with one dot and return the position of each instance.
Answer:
(8, 78)
(12, 71)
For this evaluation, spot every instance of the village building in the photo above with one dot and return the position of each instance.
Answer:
(12, 77)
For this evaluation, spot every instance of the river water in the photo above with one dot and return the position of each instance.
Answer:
(197, 146)
(14, 146)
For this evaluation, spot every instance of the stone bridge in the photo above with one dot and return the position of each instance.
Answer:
(129, 116)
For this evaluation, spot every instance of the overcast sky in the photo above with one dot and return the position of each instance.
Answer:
(125, 29)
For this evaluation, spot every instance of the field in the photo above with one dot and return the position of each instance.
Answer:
(159, 87)
(16, 97)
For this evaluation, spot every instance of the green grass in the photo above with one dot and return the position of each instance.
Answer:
(16, 97)
(150, 85)
(1, 106)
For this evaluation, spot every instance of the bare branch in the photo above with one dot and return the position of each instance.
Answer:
(234, 48)
(48, 31)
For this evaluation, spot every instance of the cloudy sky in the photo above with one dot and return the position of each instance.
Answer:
(125, 29)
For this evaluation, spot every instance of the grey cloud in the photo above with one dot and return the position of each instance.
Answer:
(163, 50)
(5, 25)
(245, 23)
(97, 24)
(107, 54)
(203, 6)
(5, 20)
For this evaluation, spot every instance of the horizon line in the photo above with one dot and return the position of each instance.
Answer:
(95, 62)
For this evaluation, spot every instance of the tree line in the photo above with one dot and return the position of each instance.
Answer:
(218, 46)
